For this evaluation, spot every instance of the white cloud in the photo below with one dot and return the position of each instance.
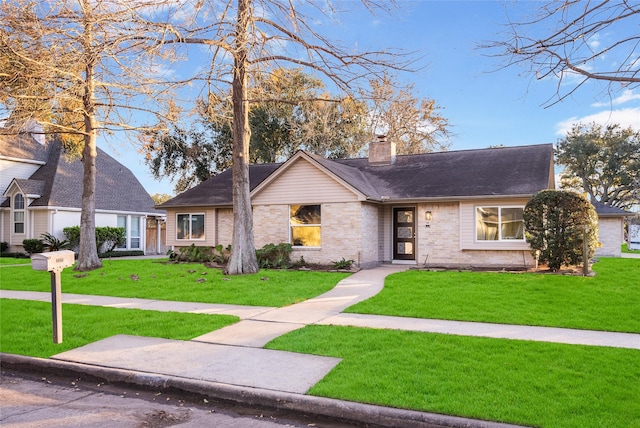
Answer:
(624, 117)
(627, 95)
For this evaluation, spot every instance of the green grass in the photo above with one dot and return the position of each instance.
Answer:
(529, 383)
(608, 301)
(14, 261)
(153, 279)
(26, 326)
(625, 249)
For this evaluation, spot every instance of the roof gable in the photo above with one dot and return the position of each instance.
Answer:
(59, 182)
(303, 170)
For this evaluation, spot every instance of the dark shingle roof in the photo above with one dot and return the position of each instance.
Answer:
(31, 187)
(216, 191)
(505, 171)
(22, 146)
(609, 211)
(61, 181)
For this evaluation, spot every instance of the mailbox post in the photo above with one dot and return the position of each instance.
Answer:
(54, 262)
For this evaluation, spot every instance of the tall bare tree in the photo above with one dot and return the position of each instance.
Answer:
(576, 41)
(249, 36)
(81, 68)
(414, 124)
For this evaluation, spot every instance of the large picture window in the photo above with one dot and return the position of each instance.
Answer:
(18, 214)
(306, 224)
(190, 226)
(499, 223)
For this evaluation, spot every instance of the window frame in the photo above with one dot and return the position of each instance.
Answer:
(315, 225)
(499, 224)
(19, 210)
(190, 237)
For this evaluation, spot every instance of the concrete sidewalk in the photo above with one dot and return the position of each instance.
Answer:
(232, 357)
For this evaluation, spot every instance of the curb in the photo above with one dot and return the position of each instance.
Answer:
(346, 411)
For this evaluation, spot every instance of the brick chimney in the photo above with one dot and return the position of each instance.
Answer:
(382, 152)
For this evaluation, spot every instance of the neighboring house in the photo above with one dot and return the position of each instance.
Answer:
(42, 193)
(610, 229)
(457, 208)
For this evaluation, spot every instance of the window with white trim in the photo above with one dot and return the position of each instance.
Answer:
(499, 224)
(18, 213)
(134, 234)
(190, 226)
(305, 225)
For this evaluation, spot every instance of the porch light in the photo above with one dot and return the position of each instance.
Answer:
(427, 215)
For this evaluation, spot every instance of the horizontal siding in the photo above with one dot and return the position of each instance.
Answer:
(41, 224)
(303, 183)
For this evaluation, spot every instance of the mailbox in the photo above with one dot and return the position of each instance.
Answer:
(53, 261)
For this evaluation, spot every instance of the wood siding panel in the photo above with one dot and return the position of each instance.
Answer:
(303, 183)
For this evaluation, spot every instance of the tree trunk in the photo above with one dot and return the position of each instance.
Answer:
(243, 253)
(88, 253)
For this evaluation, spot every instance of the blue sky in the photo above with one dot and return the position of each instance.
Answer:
(486, 105)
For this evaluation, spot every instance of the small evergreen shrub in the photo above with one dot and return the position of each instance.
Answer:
(274, 256)
(192, 254)
(33, 246)
(107, 238)
(111, 254)
(3, 247)
(342, 264)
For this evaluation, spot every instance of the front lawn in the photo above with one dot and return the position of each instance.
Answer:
(529, 383)
(26, 326)
(608, 301)
(188, 282)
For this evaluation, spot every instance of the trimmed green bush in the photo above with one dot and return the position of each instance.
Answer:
(33, 246)
(107, 238)
(555, 222)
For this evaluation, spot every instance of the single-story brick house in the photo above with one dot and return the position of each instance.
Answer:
(42, 193)
(455, 208)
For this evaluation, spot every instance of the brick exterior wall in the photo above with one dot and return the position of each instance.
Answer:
(439, 244)
(610, 235)
(270, 224)
(224, 226)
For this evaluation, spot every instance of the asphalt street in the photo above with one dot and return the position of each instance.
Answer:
(29, 400)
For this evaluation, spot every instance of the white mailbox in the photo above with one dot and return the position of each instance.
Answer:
(53, 261)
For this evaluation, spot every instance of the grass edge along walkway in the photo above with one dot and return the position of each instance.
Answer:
(531, 383)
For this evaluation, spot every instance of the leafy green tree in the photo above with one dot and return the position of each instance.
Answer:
(555, 222)
(603, 161)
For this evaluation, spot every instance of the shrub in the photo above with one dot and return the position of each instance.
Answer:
(555, 223)
(107, 238)
(192, 254)
(342, 264)
(3, 247)
(121, 254)
(54, 244)
(274, 256)
(33, 246)
(221, 254)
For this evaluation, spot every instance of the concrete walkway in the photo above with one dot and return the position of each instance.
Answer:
(234, 355)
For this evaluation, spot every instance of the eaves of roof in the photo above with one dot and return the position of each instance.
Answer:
(455, 175)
